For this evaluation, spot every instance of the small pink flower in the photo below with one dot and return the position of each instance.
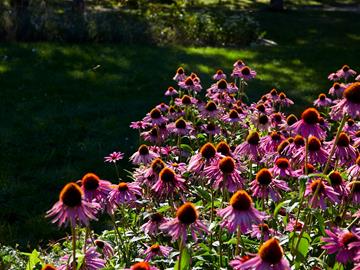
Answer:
(171, 92)
(219, 75)
(180, 75)
(123, 193)
(142, 266)
(144, 155)
(325, 192)
(114, 156)
(156, 250)
(322, 101)
(152, 226)
(345, 72)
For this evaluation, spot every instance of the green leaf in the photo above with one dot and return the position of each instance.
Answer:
(278, 207)
(303, 247)
(321, 222)
(80, 260)
(33, 260)
(186, 148)
(185, 260)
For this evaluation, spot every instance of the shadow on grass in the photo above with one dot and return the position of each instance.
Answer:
(64, 107)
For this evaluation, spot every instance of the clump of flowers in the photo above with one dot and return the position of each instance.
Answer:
(221, 184)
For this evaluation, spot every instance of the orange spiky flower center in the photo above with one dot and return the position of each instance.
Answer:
(282, 163)
(100, 244)
(222, 84)
(317, 184)
(219, 72)
(156, 217)
(264, 177)
(261, 108)
(348, 238)
(141, 266)
(352, 93)
(223, 148)
(271, 251)
(90, 181)
(282, 146)
(186, 100)
(123, 186)
(157, 165)
(299, 140)
(211, 106)
(344, 140)
(273, 92)
(314, 144)
(277, 117)
(322, 97)
(335, 178)
(48, 267)
(143, 150)
(233, 114)
(253, 138)
(180, 70)
(227, 165)
(310, 116)
(167, 175)
(155, 113)
(241, 201)
(245, 70)
(180, 123)
(291, 119)
(71, 195)
(189, 81)
(155, 248)
(208, 151)
(187, 213)
(345, 68)
(263, 119)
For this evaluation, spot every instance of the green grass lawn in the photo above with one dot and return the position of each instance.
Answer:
(60, 116)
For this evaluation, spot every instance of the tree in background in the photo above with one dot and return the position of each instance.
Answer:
(277, 5)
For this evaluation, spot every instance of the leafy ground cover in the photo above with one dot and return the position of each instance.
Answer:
(64, 107)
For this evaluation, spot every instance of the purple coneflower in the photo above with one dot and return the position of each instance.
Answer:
(250, 148)
(143, 156)
(337, 89)
(344, 152)
(153, 225)
(209, 110)
(185, 101)
(139, 125)
(338, 184)
(114, 156)
(315, 151)
(180, 127)
(333, 77)
(240, 213)
(180, 75)
(270, 256)
(94, 188)
(282, 168)
(92, 261)
(168, 183)
(239, 64)
(156, 250)
(187, 217)
(354, 170)
(345, 244)
(324, 192)
(211, 129)
(105, 248)
(123, 193)
(219, 75)
(171, 91)
(262, 231)
(264, 184)
(72, 207)
(155, 117)
(191, 84)
(346, 72)
(350, 104)
(294, 226)
(232, 117)
(271, 142)
(245, 73)
(323, 101)
(284, 100)
(225, 174)
(203, 158)
(309, 124)
(354, 188)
